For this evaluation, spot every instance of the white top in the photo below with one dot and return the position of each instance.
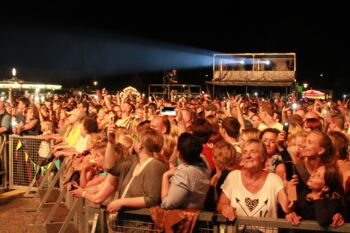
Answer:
(261, 204)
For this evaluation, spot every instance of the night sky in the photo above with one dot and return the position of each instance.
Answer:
(73, 46)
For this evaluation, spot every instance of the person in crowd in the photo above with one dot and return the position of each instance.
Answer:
(161, 124)
(5, 120)
(248, 134)
(92, 168)
(266, 116)
(295, 147)
(318, 151)
(255, 120)
(337, 123)
(252, 191)
(312, 124)
(229, 130)
(273, 162)
(31, 125)
(340, 145)
(225, 160)
(140, 176)
(46, 127)
(186, 186)
(325, 199)
(104, 192)
(202, 130)
(89, 126)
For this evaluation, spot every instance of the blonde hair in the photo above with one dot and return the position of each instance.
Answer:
(120, 151)
(294, 128)
(100, 147)
(48, 125)
(224, 155)
(96, 138)
(169, 147)
(151, 140)
(251, 133)
(126, 140)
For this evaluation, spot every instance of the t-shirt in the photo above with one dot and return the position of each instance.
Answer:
(74, 135)
(261, 204)
(188, 189)
(81, 144)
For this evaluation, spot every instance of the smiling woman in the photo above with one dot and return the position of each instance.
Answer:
(255, 192)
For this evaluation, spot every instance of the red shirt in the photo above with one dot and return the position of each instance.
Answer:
(208, 153)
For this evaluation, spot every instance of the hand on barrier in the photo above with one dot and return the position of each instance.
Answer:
(293, 218)
(77, 192)
(115, 205)
(229, 212)
(338, 220)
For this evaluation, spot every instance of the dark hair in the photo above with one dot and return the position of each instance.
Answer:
(334, 180)
(190, 149)
(90, 125)
(25, 101)
(269, 130)
(231, 126)
(85, 104)
(268, 108)
(313, 124)
(339, 121)
(340, 143)
(325, 142)
(201, 129)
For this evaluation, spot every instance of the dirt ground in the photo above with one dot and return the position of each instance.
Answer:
(15, 218)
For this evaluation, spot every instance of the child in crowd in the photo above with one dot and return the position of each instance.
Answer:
(325, 198)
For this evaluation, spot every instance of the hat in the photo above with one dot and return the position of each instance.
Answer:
(211, 107)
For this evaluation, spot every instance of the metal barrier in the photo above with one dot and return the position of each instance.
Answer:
(24, 160)
(3, 163)
(166, 90)
(217, 223)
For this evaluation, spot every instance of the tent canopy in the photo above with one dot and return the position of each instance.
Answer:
(314, 94)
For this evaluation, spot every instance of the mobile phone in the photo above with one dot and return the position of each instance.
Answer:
(168, 111)
(286, 127)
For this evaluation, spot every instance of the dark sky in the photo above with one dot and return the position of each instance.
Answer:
(318, 35)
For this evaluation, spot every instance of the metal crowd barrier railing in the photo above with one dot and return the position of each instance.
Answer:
(3, 163)
(85, 217)
(24, 160)
(218, 223)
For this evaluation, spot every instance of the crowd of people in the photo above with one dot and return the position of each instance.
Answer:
(240, 156)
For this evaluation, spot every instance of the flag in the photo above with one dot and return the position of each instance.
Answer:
(37, 170)
(19, 145)
(57, 163)
(26, 156)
